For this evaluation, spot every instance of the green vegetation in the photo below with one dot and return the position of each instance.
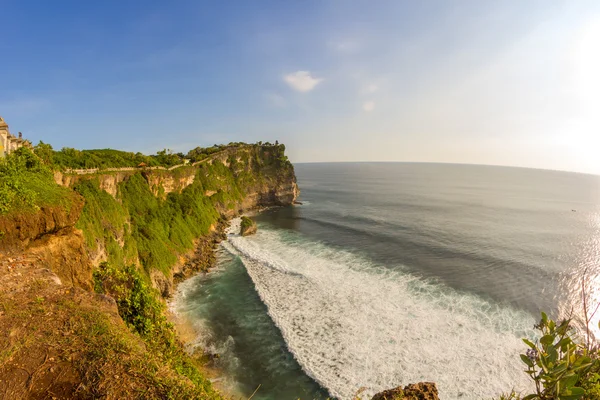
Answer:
(200, 153)
(104, 219)
(26, 184)
(561, 363)
(141, 309)
(163, 228)
(103, 158)
(108, 158)
(155, 229)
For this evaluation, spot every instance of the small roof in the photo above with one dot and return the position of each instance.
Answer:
(3, 123)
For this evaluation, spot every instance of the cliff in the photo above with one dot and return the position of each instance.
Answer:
(124, 234)
(156, 218)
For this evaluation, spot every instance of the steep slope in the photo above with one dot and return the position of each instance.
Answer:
(122, 233)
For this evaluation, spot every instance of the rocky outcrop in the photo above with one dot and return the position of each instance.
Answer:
(164, 182)
(109, 181)
(19, 229)
(49, 237)
(247, 227)
(65, 254)
(415, 391)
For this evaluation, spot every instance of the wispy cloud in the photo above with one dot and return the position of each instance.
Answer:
(368, 106)
(302, 81)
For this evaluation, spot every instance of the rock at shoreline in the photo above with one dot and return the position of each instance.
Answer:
(247, 227)
(415, 391)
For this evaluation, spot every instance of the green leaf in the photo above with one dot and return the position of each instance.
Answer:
(547, 339)
(530, 397)
(552, 354)
(526, 360)
(568, 382)
(529, 343)
(560, 368)
(563, 343)
(544, 317)
(582, 361)
(575, 393)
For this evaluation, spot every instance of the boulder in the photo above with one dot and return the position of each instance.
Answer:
(415, 391)
(247, 227)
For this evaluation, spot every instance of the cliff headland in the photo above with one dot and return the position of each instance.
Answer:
(89, 254)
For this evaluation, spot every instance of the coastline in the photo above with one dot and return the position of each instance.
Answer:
(187, 333)
(199, 261)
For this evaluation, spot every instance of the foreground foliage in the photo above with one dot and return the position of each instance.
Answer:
(561, 363)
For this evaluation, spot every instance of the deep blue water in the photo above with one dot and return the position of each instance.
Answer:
(392, 273)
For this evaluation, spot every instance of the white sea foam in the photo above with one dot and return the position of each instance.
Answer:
(353, 324)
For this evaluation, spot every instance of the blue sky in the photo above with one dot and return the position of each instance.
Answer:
(508, 83)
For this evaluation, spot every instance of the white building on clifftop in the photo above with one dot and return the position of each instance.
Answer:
(9, 143)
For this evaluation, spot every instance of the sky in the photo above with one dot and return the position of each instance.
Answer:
(502, 83)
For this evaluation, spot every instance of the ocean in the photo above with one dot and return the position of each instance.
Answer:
(395, 273)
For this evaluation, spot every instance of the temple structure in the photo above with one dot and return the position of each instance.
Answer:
(8, 142)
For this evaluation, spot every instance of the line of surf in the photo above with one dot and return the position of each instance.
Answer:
(352, 324)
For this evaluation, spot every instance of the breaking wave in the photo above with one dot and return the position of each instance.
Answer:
(353, 324)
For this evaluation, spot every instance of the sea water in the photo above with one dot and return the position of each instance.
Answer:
(394, 273)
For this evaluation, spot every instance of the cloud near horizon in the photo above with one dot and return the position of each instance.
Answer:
(302, 81)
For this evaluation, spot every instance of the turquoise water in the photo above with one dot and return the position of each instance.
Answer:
(395, 273)
(234, 324)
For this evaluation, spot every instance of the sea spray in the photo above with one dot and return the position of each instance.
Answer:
(351, 323)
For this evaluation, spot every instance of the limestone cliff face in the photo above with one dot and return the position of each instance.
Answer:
(164, 182)
(236, 179)
(49, 237)
(19, 229)
(109, 181)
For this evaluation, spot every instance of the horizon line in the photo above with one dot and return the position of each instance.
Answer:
(597, 174)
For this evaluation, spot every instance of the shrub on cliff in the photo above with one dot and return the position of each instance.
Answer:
(105, 218)
(104, 158)
(26, 183)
